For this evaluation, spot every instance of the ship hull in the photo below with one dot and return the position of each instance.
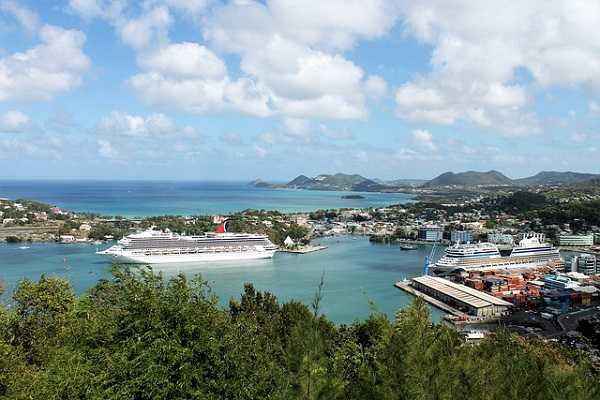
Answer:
(192, 258)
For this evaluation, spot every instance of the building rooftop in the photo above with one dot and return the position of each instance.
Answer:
(465, 294)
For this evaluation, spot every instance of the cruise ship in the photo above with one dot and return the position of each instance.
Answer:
(530, 252)
(158, 247)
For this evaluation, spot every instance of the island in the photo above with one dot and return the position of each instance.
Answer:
(353, 197)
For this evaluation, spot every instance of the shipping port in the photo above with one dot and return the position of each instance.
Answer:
(546, 301)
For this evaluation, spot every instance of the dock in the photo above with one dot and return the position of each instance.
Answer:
(462, 304)
(304, 250)
(405, 286)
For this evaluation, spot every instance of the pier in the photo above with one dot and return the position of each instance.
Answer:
(304, 250)
(405, 286)
(464, 305)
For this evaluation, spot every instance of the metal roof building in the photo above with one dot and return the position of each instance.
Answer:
(462, 297)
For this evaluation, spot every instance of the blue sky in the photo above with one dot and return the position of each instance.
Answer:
(235, 90)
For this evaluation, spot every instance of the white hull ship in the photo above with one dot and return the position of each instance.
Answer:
(530, 253)
(156, 247)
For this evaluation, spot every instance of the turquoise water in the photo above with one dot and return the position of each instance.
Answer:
(357, 273)
(146, 198)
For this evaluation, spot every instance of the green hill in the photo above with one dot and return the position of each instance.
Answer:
(556, 178)
(340, 182)
(469, 178)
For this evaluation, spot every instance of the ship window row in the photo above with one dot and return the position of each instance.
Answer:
(185, 244)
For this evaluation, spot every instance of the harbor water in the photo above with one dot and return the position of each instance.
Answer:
(359, 276)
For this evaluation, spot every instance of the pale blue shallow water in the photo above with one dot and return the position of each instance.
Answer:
(357, 273)
(148, 198)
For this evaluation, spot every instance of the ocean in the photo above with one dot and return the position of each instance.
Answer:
(151, 198)
(358, 275)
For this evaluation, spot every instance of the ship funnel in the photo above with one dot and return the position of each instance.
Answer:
(222, 228)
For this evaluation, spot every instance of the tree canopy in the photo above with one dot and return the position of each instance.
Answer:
(142, 336)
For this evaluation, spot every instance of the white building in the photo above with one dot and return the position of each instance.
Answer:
(431, 233)
(67, 238)
(576, 240)
(461, 237)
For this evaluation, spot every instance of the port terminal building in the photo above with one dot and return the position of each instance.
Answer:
(576, 240)
(461, 297)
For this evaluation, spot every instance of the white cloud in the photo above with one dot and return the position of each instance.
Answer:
(191, 95)
(296, 126)
(193, 7)
(376, 87)
(290, 60)
(13, 122)
(424, 139)
(107, 150)
(293, 52)
(86, 8)
(336, 134)
(27, 18)
(155, 125)
(330, 25)
(479, 48)
(148, 29)
(186, 60)
(53, 66)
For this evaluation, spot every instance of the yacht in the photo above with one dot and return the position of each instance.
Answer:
(158, 247)
(529, 253)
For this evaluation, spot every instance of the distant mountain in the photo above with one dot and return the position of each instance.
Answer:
(341, 182)
(469, 178)
(259, 183)
(301, 182)
(556, 178)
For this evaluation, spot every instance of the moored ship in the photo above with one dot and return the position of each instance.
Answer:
(530, 253)
(158, 247)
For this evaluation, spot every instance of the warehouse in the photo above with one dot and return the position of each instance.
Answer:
(466, 299)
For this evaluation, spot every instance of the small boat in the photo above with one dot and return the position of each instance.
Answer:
(23, 247)
(406, 247)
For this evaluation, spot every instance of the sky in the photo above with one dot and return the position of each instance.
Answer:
(244, 89)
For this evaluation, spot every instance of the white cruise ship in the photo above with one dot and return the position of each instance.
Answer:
(157, 247)
(484, 256)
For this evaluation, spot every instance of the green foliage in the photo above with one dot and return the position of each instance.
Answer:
(68, 226)
(141, 336)
(520, 202)
(181, 225)
(100, 231)
(587, 212)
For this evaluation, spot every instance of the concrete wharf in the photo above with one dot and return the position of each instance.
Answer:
(405, 286)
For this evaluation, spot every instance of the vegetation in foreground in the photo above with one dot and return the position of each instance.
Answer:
(140, 336)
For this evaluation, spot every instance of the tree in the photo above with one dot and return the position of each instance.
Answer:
(142, 336)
